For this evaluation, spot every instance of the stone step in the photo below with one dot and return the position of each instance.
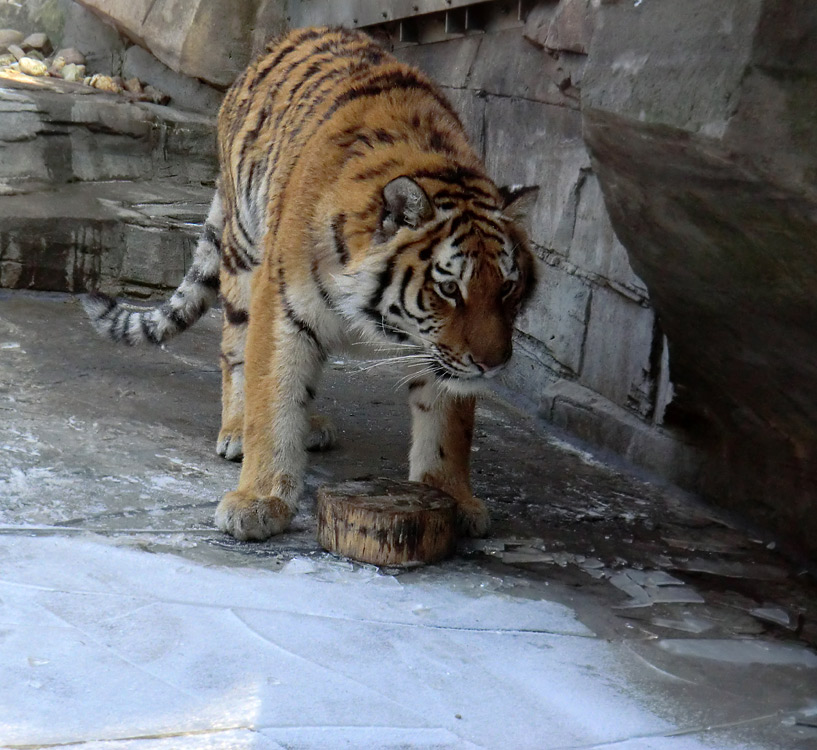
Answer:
(122, 237)
(97, 191)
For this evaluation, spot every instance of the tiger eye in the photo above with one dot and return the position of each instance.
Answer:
(450, 289)
(507, 287)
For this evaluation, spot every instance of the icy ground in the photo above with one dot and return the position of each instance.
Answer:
(604, 611)
(102, 643)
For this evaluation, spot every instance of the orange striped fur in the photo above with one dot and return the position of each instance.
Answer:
(350, 206)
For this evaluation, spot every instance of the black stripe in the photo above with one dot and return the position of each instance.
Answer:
(383, 136)
(407, 274)
(375, 315)
(338, 223)
(459, 240)
(245, 235)
(209, 282)
(234, 315)
(403, 295)
(377, 170)
(385, 82)
(455, 176)
(149, 331)
(322, 290)
(440, 143)
(384, 279)
(458, 221)
(174, 315)
(420, 302)
(302, 37)
(485, 205)
(210, 235)
(495, 225)
(109, 302)
(300, 324)
(241, 260)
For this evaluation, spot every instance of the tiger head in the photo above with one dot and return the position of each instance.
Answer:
(448, 273)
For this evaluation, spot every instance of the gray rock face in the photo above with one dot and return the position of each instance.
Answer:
(701, 120)
(205, 39)
(98, 192)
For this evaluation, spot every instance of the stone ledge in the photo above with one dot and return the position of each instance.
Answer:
(120, 237)
(591, 417)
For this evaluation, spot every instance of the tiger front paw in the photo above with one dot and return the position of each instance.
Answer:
(247, 517)
(472, 517)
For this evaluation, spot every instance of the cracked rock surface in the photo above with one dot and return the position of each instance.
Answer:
(605, 611)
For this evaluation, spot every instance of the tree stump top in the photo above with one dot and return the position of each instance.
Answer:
(386, 521)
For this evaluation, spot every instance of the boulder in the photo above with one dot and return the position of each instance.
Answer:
(17, 51)
(38, 41)
(10, 36)
(71, 55)
(572, 27)
(701, 121)
(205, 39)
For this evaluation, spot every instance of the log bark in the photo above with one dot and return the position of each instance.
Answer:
(386, 522)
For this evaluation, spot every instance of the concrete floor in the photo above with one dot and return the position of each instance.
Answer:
(704, 627)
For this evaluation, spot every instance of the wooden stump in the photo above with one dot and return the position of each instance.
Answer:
(386, 522)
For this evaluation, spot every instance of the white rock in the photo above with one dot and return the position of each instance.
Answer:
(72, 72)
(33, 67)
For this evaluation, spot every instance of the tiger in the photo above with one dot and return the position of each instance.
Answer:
(349, 206)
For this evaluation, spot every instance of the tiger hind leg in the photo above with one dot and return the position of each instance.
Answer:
(322, 434)
(235, 300)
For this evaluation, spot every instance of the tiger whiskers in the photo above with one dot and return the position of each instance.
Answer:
(404, 359)
(406, 379)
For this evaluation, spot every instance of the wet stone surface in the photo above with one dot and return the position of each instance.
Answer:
(119, 444)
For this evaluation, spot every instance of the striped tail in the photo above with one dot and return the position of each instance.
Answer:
(193, 297)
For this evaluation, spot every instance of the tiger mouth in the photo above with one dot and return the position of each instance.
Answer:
(444, 372)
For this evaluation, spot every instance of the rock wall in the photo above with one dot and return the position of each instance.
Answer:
(702, 123)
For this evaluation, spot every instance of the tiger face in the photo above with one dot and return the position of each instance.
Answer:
(447, 276)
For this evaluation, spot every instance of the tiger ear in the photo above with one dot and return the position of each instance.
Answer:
(518, 201)
(405, 204)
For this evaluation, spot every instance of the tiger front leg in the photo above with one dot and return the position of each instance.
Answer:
(282, 364)
(441, 433)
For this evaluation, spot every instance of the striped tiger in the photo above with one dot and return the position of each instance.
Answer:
(349, 206)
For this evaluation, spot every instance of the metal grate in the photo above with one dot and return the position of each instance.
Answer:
(459, 15)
